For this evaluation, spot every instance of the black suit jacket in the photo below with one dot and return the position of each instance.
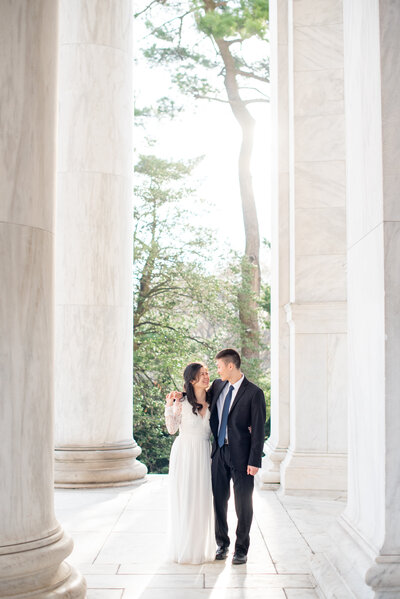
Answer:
(247, 410)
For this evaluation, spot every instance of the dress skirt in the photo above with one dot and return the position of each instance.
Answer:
(191, 530)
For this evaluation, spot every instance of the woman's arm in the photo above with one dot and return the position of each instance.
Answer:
(173, 414)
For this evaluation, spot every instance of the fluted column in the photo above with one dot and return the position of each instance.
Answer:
(276, 446)
(365, 548)
(33, 545)
(316, 313)
(94, 444)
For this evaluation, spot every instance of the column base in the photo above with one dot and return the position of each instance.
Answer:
(105, 466)
(36, 570)
(269, 476)
(350, 568)
(314, 472)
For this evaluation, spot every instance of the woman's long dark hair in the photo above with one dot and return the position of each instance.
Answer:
(190, 374)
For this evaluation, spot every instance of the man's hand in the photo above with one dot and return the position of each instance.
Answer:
(252, 470)
(173, 396)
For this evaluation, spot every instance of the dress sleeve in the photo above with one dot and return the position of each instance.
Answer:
(173, 417)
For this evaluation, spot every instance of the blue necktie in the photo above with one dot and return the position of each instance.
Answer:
(224, 419)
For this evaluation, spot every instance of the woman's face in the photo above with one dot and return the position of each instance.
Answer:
(202, 380)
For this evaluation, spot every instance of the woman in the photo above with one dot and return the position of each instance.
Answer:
(191, 517)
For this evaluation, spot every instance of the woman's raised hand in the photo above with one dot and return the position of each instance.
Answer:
(173, 396)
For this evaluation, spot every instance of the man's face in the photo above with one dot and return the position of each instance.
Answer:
(224, 369)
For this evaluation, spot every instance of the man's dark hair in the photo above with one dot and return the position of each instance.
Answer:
(229, 355)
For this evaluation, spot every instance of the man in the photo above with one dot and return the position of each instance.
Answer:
(237, 423)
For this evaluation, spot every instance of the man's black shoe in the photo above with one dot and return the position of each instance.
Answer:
(222, 553)
(239, 558)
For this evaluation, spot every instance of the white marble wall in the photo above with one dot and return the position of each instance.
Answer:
(33, 545)
(370, 527)
(276, 446)
(94, 246)
(316, 312)
(373, 139)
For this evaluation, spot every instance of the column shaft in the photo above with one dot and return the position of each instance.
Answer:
(33, 545)
(276, 446)
(94, 444)
(316, 459)
(368, 535)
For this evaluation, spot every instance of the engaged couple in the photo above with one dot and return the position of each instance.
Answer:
(233, 410)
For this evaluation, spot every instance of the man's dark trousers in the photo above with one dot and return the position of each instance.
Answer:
(243, 484)
(245, 435)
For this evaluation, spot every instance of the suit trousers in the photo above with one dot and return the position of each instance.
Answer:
(222, 472)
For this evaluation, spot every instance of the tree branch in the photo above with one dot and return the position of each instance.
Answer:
(199, 97)
(256, 100)
(165, 326)
(146, 8)
(205, 37)
(179, 17)
(252, 76)
(145, 375)
(233, 102)
(172, 379)
(255, 89)
(180, 30)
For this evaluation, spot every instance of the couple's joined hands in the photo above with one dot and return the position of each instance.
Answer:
(177, 396)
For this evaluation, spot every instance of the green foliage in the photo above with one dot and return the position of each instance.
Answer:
(193, 85)
(265, 303)
(244, 19)
(172, 54)
(165, 107)
(186, 309)
(182, 312)
(142, 112)
(149, 425)
(265, 298)
(196, 64)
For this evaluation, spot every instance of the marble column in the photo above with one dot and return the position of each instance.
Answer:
(94, 443)
(33, 545)
(316, 313)
(276, 446)
(365, 551)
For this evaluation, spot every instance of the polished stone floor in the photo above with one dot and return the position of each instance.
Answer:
(120, 535)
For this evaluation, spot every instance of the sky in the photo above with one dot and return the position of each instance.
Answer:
(210, 129)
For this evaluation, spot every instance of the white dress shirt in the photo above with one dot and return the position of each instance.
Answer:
(221, 399)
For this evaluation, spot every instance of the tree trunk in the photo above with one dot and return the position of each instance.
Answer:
(250, 289)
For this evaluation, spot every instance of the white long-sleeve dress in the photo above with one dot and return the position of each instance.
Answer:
(191, 536)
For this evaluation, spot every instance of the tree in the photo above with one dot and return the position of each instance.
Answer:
(182, 313)
(228, 26)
